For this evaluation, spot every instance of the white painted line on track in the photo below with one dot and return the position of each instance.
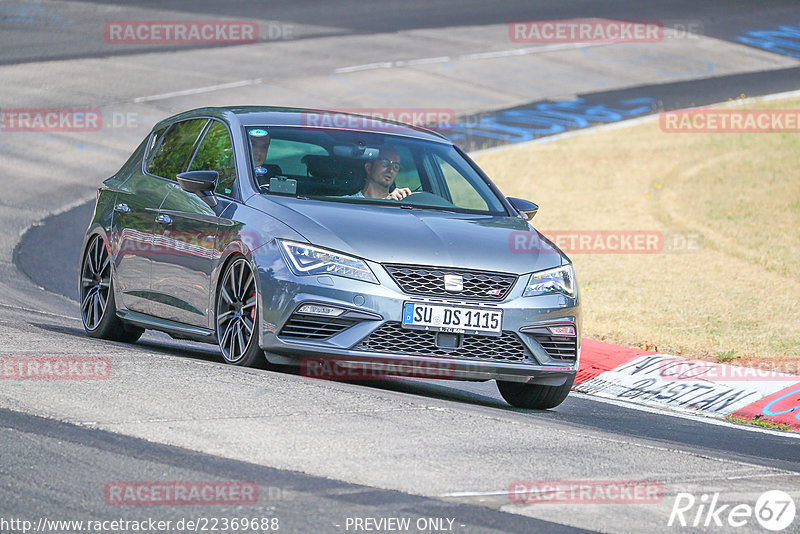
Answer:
(474, 493)
(423, 61)
(531, 50)
(198, 90)
(762, 475)
(367, 66)
(468, 57)
(39, 312)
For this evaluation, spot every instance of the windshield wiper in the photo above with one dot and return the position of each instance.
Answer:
(426, 208)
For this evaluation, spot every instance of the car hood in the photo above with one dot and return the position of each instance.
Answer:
(387, 234)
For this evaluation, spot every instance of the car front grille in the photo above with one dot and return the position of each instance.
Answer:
(429, 281)
(393, 338)
(558, 347)
(314, 327)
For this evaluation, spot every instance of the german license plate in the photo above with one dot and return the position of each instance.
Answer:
(455, 319)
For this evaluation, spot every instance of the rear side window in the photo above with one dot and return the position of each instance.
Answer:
(155, 142)
(216, 154)
(175, 148)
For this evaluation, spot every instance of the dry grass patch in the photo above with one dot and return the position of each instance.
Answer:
(738, 298)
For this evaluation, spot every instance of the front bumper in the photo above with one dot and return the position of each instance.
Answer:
(282, 293)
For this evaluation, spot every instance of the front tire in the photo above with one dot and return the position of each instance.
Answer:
(534, 396)
(237, 315)
(98, 309)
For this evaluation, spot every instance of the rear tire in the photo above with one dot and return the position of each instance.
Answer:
(534, 396)
(98, 309)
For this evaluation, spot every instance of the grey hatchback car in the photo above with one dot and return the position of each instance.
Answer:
(349, 246)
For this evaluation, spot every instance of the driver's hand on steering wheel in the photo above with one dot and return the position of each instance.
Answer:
(399, 194)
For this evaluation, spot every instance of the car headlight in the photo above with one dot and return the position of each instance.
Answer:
(308, 260)
(558, 280)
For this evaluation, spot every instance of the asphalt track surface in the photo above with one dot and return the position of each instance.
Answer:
(61, 33)
(63, 449)
(57, 469)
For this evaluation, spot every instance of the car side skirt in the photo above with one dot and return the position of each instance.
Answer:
(176, 330)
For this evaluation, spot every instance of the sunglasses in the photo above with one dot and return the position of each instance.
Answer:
(387, 162)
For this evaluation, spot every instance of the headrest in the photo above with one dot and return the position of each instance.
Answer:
(321, 166)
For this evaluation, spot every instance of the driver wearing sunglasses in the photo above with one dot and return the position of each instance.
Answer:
(381, 174)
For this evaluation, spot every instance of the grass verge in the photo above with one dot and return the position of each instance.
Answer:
(737, 297)
(763, 423)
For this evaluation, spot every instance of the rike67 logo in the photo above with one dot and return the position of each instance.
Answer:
(774, 510)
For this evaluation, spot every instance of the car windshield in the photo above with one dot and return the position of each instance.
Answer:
(362, 167)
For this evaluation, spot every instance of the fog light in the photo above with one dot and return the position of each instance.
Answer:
(316, 309)
(563, 330)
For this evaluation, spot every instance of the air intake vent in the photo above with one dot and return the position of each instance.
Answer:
(429, 281)
(393, 338)
(558, 347)
(314, 327)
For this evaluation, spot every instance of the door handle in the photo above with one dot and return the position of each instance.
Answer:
(122, 208)
(164, 219)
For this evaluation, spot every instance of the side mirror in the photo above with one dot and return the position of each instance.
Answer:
(201, 183)
(526, 208)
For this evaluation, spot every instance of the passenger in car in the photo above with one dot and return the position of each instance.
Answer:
(381, 174)
(259, 144)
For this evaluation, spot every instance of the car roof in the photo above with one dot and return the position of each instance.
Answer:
(312, 118)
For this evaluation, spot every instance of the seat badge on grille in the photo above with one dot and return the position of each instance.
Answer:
(454, 283)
